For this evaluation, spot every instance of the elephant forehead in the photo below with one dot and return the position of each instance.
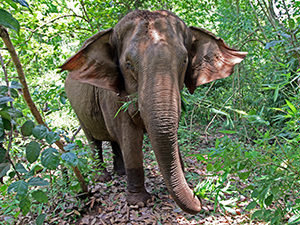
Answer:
(160, 30)
(156, 36)
(157, 25)
(141, 29)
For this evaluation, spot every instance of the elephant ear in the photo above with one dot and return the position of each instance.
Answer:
(210, 59)
(95, 63)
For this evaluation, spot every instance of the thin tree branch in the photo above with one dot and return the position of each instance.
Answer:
(86, 14)
(258, 23)
(76, 132)
(266, 14)
(51, 21)
(5, 37)
(261, 29)
(26, 94)
(12, 164)
(248, 36)
(257, 40)
(293, 36)
(252, 40)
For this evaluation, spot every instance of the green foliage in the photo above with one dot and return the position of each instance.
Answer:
(270, 172)
(40, 132)
(40, 196)
(131, 101)
(70, 158)
(40, 219)
(27, 128)
(32, 151)
(20, 187)
(7, 20)
(37, 181)
(257, 107)
(50, 158)
(25, 205)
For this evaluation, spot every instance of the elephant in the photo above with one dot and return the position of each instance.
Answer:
(150, 55)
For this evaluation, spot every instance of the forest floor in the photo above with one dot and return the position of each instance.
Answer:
(107, 203)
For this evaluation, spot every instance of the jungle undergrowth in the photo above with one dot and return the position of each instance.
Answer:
(244, 128)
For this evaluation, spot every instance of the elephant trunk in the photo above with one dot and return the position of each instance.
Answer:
(161, 115)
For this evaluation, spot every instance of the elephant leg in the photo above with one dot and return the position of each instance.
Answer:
(104, 175)
(136, 192)
(96, 147)
(131, 146)
(119, 167)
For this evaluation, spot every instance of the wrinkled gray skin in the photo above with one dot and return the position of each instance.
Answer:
(152, 54)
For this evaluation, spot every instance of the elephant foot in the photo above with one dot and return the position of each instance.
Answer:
(103, 176)
(136, 192)
(138, 198)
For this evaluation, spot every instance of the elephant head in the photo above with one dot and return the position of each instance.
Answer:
(154, 54)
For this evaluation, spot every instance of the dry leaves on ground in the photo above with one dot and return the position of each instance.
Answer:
(107, 204)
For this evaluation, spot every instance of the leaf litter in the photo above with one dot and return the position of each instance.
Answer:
(107, 202)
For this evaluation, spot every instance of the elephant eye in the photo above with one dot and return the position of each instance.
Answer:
(129, 66)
